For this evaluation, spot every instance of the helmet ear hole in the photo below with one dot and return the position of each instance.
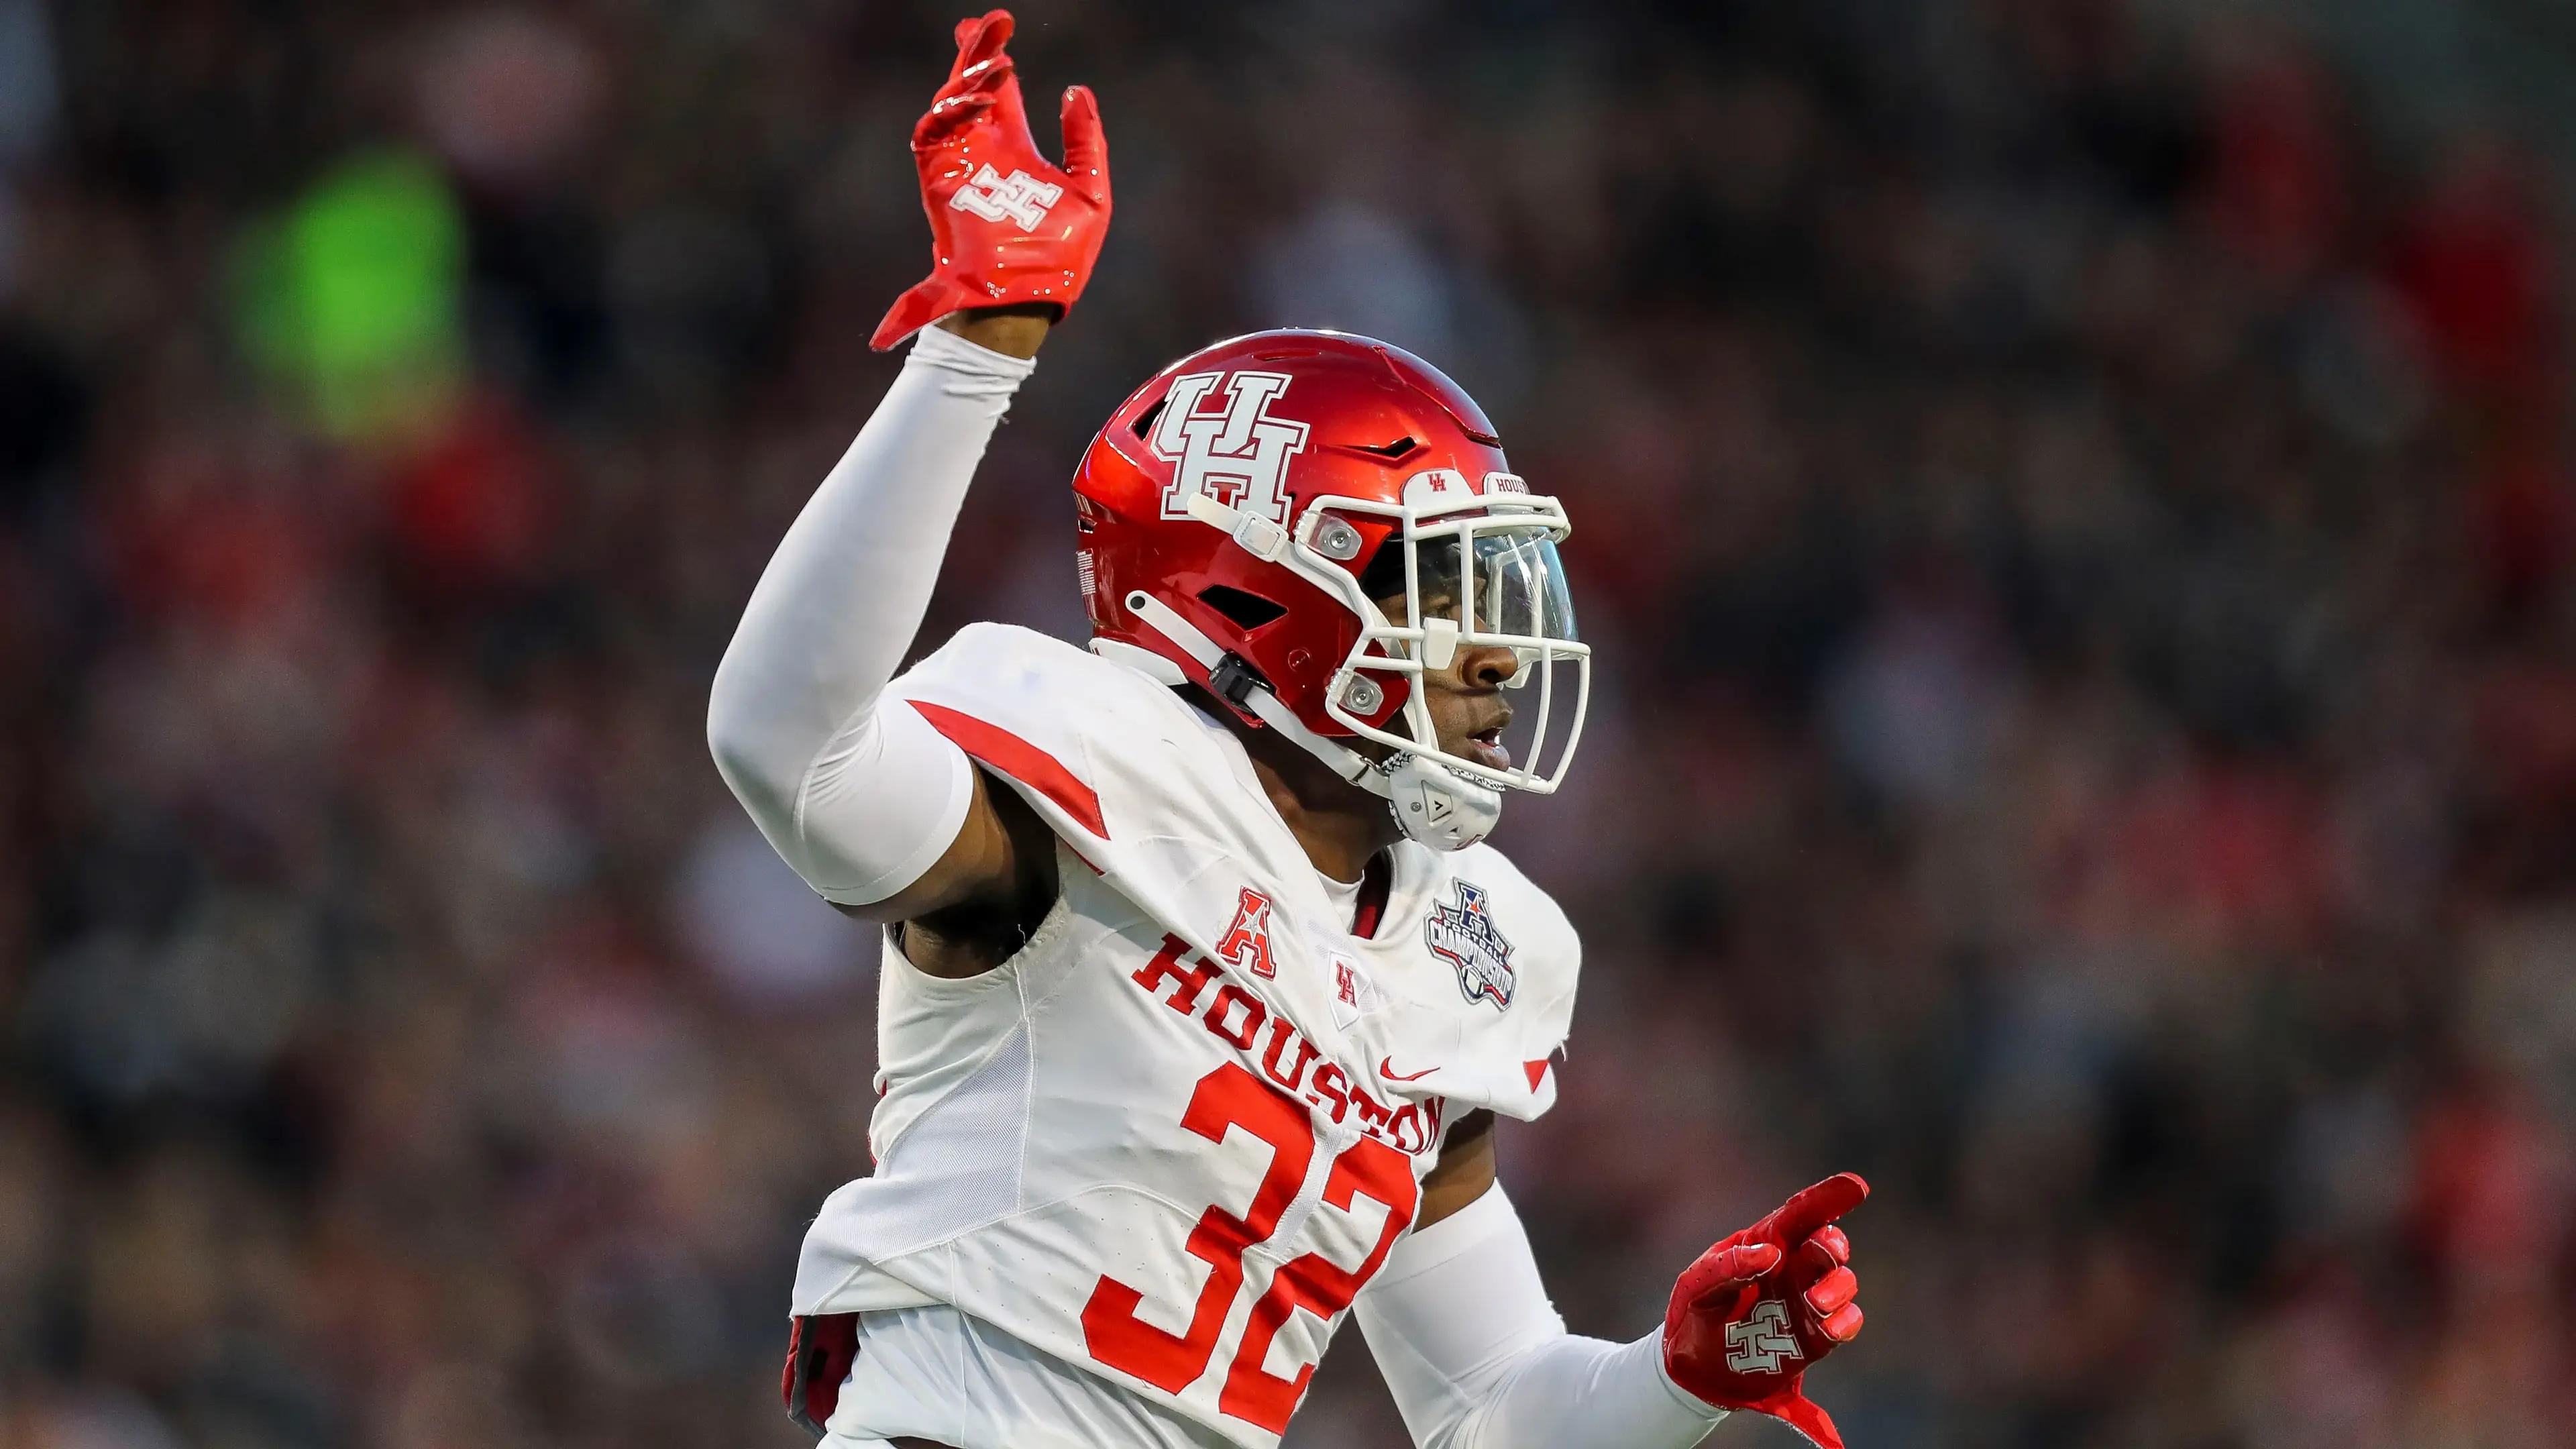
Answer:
(1246, 611)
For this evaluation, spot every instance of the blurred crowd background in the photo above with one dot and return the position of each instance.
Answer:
(2072, 503)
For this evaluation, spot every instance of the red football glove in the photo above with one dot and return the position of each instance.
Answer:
(1007, 225)
(1755, 1312)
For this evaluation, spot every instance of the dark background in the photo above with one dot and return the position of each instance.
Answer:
(2071, 499)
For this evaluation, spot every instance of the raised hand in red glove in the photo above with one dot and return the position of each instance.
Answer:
(1756, 1311)
(1007, 225)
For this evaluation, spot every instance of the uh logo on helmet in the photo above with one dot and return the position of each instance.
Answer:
(1241, 516)
(1237, 454)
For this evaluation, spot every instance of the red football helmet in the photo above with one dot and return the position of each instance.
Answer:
(1243, 515)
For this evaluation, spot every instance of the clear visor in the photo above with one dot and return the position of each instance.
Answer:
(1516, 591)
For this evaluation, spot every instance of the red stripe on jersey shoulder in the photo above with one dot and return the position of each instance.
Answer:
(1022, 761)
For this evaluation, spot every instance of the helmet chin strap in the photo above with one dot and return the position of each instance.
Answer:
(1438, 807)
(1432, 804)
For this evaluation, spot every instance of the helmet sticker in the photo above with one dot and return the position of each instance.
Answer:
(1237, 455)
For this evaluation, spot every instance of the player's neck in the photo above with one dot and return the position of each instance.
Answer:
(1339, 824)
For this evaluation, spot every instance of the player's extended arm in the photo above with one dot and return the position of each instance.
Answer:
(874, 808)
(862, 801)
(1477, 1357)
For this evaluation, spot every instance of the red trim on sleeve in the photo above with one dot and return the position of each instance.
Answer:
(1537, 1072)
(1022, 761)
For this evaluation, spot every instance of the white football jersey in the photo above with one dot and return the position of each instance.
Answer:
(1171, 1138)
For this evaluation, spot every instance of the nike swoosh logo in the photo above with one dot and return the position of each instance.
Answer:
(1386, 1069)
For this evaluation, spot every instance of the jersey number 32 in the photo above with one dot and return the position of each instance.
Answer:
(1233, 1097)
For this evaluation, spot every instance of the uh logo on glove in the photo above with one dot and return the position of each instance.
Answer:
(1007, 225)
(1759, 1309)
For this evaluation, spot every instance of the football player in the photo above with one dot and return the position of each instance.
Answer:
(1201, 994)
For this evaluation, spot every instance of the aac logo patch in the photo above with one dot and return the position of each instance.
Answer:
(1246, 944)
(1464, 936)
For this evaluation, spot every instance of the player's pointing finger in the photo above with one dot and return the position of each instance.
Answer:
(1814, 1207)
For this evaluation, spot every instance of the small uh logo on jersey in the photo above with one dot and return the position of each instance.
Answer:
(1464, 936)
(1238, 454)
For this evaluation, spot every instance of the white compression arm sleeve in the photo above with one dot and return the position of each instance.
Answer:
(1477, 1357)
(860, 800)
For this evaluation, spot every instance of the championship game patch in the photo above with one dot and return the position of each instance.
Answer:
(1464, 936)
